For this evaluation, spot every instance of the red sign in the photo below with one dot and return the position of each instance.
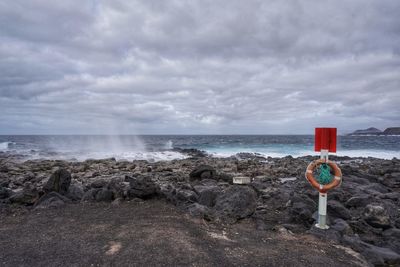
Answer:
(325, 138)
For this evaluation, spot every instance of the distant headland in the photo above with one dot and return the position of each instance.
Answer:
(375, 131)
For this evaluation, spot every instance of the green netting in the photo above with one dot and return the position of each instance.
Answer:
(324, 174)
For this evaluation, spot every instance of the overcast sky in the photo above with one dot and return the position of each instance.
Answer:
(198, 67)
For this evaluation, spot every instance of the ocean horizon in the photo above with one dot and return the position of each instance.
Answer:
(166, 147)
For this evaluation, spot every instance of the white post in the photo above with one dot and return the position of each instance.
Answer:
(322, 200)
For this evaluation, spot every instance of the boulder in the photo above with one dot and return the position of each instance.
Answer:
(203, 172)
(337, 210)
(236, 203)
(376, 216)
(104, 194)
(28, 196)
(378, 256)
(199, 211)
(5, 192)
(90, 195)
(142, 187)
(100, 183)
(75, 193)
(185, 196)
(207, 194)
(326, 234)
(51, 200)
(59, 182)
(342, 227)
(302, 209)
(358, 201)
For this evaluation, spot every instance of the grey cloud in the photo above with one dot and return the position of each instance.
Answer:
(198, 66)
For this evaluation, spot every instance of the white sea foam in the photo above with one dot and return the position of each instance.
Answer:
(169, 145)
(382, 154)
(4, 146)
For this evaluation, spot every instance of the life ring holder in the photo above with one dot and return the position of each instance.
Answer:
(337, 180)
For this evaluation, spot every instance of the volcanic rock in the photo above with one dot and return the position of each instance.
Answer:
(203, 172)
(376, 216)
(59, 182)
(51, 200)
(237, 202)
(142, 187)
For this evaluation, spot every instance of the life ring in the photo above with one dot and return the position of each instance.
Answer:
(320, 187)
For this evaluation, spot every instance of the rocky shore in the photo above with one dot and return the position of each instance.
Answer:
(364, 213)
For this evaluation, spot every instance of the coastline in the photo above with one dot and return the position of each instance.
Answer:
(363, 212)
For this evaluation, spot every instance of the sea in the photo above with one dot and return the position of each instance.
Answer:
(166, 147)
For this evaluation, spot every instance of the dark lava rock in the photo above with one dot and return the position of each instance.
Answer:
(378, 256)
(51, 200)
(337, 210)
(207, 194)
(75, 193)
(90, 195)
(237, 202)
(342, 227)
(358, 201)
(327, 234)
(105, 195)
(203, 172)
(226, 177)
(302, 209)
(59, 182)
(5, 192)
(100, 183)
(199, 211)
(185, 196)
(142, 187)
(28, 196)
(376, 216)
(302, 213)
(191, 152)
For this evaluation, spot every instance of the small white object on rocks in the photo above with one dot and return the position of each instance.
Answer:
(287, 179)
(241, 180)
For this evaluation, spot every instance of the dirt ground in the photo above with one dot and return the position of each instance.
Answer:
(151, 233)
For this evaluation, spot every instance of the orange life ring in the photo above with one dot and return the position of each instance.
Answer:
(336, 172)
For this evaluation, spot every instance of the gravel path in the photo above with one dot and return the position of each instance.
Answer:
(151, 233)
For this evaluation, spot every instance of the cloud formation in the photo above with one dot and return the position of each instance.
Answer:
(185, 67)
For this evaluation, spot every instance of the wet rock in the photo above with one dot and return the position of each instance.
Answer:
(237, 202)
(203, 172)
(59, 182)
(105, 195)
(51, 200)
(376, 216)
(75, 193)
(207, 194)
(142, 187)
